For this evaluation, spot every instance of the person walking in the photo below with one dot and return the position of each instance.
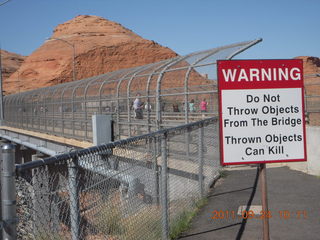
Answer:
(204, 105)
(175, 107)
(191, 106)
(138, 106)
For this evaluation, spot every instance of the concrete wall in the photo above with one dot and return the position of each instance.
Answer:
(312, 166)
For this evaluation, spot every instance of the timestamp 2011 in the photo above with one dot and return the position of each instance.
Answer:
(250, 214)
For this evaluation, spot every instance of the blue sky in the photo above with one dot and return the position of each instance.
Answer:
(289, 28)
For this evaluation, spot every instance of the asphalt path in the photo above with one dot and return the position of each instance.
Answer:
(293, 200)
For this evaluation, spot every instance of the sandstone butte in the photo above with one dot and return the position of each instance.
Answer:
(101, 46)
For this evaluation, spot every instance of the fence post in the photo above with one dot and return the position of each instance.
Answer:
(74, 198)
(8, 193)
(44, 209)
(156, 170)
(187, 142)
(200, 152)
(306, 111)
(164, 188)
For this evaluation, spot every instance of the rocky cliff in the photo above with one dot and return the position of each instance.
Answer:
(311, 67)
(98, 45)
(10, 63)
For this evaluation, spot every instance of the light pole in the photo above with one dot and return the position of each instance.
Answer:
(18, 80)
(4, 2)
(1, 91)
(73, 55)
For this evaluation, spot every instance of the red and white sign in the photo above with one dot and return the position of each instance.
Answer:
(261, 111)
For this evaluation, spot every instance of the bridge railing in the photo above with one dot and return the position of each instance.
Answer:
(76, 123)
(167, 86)
(137, 188)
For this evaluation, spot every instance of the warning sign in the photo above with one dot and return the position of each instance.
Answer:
(261, 111)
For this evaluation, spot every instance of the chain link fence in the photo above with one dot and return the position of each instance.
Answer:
(138, 188)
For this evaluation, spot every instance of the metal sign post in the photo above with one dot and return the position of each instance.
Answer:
(264, 200)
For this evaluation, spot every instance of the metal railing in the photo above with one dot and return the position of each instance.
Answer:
(138, 188)
(66, 109)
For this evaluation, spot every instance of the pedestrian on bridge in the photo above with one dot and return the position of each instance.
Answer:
(192, 106)
(204, 105)
(138, 107)
(175, 107)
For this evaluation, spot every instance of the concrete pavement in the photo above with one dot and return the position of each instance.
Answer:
(293, 199)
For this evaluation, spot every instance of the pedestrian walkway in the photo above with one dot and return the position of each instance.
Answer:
(293, 198)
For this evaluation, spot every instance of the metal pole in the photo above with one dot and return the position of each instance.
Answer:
(18, 80)
(74, 199)
(306, 114)
(187, 144)
(1, 92)
(156, 170)
(164, 189)
(264, 198)
(200, 151)
(8, 193)
(73, 55)
(4, 2)
(73, 62)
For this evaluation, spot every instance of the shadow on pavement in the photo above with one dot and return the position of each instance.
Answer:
(244, 218)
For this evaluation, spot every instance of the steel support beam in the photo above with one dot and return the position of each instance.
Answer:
(44, 146)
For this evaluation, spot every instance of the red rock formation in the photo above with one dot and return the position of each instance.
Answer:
(10, 63)
(311, 67)
(100, 46)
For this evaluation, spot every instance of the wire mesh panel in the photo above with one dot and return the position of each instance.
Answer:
(194, 156)
(136, 188)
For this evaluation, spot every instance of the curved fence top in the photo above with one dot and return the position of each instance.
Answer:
(121, 83)
(165, 88)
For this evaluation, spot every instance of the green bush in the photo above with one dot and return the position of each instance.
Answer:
(183, 221)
